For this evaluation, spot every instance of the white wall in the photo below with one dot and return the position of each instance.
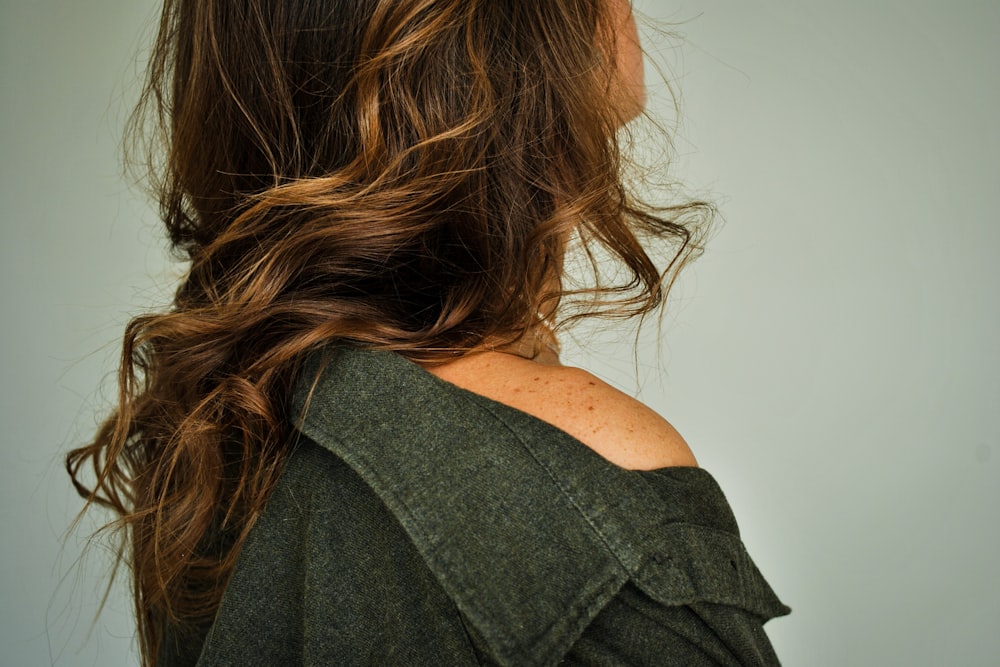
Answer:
(832, 358)
(78, 252)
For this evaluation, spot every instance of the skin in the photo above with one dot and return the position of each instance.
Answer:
(616, 426)
(611, 423)
(628, 53)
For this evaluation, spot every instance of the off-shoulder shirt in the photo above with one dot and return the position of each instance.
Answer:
(417, 523)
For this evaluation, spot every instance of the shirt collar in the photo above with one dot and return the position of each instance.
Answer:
(529, 531)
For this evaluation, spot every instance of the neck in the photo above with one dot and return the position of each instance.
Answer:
(539, 345)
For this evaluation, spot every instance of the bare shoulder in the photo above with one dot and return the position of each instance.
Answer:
(615, 425)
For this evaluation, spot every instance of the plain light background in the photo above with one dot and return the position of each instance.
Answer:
(833, 358)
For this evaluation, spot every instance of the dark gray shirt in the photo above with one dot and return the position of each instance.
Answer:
(417, 523)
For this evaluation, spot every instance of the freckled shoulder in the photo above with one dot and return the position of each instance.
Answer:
(618, 427)
(612, 423)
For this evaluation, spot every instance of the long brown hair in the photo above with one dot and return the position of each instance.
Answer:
(397, 174)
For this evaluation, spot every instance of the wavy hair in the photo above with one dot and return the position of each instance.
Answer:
(396, 174)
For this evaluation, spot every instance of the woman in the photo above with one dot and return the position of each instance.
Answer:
(349, 440)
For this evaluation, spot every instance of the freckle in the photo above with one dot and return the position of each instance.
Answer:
(590, 407)
(592, 384)
(536, 379)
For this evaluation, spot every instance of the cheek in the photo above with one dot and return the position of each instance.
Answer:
(630, 62)
(636, 73)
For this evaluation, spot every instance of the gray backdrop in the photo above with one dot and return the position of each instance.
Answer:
(832, 359)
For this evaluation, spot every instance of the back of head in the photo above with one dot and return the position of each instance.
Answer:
(420, 164)
(398, 174)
